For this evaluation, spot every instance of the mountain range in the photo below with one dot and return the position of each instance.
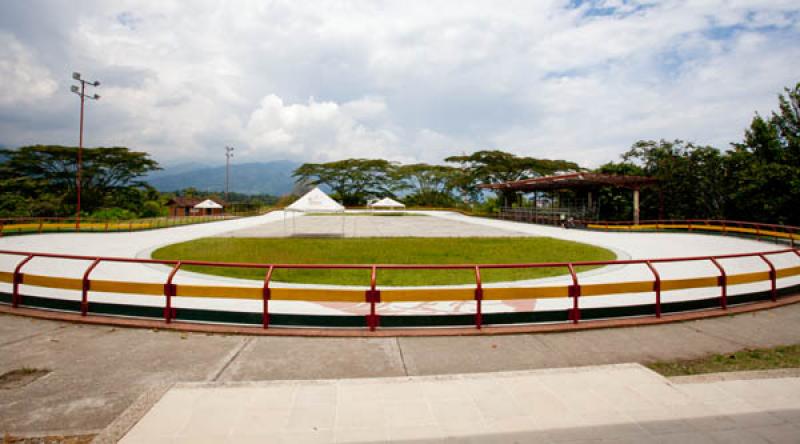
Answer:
(273, 177)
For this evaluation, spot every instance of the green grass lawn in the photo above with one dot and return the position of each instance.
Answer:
(384, 251)
(745, 360)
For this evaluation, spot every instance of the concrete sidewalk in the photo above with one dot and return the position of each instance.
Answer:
(618, 403)
(98, 372)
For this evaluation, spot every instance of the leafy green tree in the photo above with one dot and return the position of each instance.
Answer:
(108, 174)
(763, 172)
(353, 181)
(494, 166)
(427, 185)
(691, 178)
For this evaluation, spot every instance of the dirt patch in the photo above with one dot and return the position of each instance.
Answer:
(20, 377)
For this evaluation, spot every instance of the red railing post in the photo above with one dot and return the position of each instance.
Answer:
(722, 281)
(773, 277)
(373, 296)
(574, 293)
(169, 292)
(656, 287)
(16, 298)
(266, 294)
(41, 223)
(478, 298)
(85, 287)
(724, 228)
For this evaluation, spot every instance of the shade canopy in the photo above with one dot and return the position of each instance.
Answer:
(574, 181)
(316, 201)
(386, 202)
(208, 203)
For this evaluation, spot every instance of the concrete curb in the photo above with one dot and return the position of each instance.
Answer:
(132, 415)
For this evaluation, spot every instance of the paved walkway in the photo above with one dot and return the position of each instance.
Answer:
(98, 372)
(619, 403)
(375, 226)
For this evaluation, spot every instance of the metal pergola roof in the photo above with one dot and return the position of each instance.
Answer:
(574, 181)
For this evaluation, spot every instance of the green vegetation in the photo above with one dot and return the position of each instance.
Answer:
(40, 180)
(745, 360)
(384, 251)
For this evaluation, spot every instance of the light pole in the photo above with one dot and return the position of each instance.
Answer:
(228, 155)
(81, 92)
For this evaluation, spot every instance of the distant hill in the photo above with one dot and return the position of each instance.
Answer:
(249, 178)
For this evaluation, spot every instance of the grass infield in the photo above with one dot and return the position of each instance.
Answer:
(406, 250)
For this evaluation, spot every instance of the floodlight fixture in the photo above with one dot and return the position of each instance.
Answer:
(96, 83)
(96, 96)
(76, 75)
(75, 89)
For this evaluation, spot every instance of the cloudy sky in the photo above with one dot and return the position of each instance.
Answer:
(402, 80)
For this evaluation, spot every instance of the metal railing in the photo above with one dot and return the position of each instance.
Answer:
(38, 225)
(373, 295)
(758, 230)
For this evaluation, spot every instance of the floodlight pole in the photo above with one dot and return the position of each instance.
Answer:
(228, 155)
(83, 96)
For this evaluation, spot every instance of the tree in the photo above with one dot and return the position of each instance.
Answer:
(353, 181)
(763, 172)
(428, 185)
(691, 178)
(109, 176)
(494, 166)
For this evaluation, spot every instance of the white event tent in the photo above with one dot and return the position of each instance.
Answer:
(315, 201)
(387, 203)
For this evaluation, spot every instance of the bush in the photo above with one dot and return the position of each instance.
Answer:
(152, 208)
(113, 214)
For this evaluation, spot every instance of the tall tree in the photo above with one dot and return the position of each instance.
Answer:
(110, 175)
(494, 166)
(352, 181)
(427, 185)
(763, 177)
(691, 177)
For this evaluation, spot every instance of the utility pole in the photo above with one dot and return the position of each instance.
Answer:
(228, 155)
(82, 93)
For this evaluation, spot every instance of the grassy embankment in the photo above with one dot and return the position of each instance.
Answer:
(745, 360)
(384, 251)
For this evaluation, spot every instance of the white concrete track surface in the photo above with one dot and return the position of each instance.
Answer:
(627, 245)
(621, 403)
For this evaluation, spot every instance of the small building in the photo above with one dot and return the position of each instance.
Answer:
(189, 206)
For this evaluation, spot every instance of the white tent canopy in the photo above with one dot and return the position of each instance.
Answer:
(386, 202)
(208, 203)
(316, 201)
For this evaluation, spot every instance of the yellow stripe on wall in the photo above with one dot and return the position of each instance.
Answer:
(6, 276)
(616, 288)
(317, 295)
(126, 287)
(679, 284)
(202, 291)
(499, 294)
(743, 278)
(426, 295)
(52, 282)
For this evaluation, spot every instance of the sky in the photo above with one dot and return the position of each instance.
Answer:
(410, 81)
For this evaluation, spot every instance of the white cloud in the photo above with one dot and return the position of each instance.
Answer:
(23, 78)
(318, 131)
(407, 81)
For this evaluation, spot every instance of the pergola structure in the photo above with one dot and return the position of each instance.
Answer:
(584, 182)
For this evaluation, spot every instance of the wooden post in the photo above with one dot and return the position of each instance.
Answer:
(636, 206)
